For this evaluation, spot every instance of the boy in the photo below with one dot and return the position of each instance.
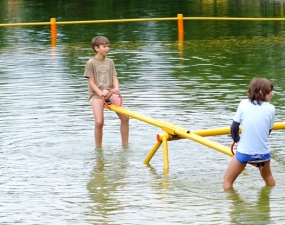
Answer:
(102, 78)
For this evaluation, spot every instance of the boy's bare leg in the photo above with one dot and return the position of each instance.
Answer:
(97, 108)
(267, 175)
(234, 169)
(124, 127)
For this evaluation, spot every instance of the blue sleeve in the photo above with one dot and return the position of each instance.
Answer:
(235, 131)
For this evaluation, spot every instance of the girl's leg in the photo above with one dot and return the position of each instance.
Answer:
(97, 108)
(234, 169)
(267, 175)
(124, 127)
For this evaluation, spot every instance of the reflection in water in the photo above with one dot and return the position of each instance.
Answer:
(161, 181)
(244, 212)
(107, 179)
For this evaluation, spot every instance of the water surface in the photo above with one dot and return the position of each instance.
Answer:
(50, 169)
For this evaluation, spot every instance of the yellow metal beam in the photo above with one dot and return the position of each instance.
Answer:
(171, 128)
(226, 130)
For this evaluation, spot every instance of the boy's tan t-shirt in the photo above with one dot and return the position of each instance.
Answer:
(102, 71)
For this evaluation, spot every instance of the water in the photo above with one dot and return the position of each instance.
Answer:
(50, 169)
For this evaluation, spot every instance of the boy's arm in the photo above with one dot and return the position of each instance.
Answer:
(116, 85)
(94, 87)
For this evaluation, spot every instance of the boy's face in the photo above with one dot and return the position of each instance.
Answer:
(103, 50)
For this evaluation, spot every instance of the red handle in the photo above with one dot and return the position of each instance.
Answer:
(232, 148)
(118, 105)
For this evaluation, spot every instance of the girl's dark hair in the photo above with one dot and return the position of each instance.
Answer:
(258, 89)
(99, 40)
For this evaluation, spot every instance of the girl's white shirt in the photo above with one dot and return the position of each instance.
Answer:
(256, 121)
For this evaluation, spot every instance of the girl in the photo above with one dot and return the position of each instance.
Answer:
(256, 116)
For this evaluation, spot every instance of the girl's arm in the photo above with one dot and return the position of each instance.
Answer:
(235, 131)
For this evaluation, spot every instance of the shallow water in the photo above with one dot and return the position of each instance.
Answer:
(50, 169)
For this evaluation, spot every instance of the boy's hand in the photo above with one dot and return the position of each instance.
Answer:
(104, 93)
(116, 91)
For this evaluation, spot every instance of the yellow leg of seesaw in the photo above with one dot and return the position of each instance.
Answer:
(160, 139)
(165, 152)
(152, 152)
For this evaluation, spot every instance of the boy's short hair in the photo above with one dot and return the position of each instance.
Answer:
(258, 89)
(99, 40)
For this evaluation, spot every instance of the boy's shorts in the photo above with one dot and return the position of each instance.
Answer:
(244, 158)
(108, 102)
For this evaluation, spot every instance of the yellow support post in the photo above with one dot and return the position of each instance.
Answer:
(152, 152)
(165, 152)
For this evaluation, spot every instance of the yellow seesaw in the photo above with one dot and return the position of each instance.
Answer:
(174, 132)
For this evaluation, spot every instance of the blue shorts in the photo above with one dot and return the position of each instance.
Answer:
(244, 158)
